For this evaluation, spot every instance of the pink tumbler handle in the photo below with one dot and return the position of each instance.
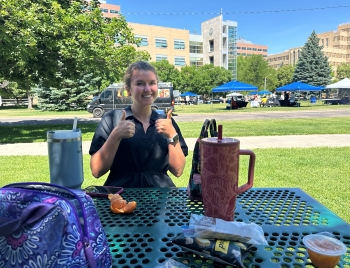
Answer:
(252, 158)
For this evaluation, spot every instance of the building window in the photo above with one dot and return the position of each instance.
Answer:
(179, 44)
(161, 42)
(244, 48)
(259, 49)
(254, 49)
(238, 47)
(265, 50)
(211, 60)
(114, 11)
(249, 48)
(196, 47)
(161, 57)
(104, 10)
(326, 42)
(180, 61)
(211, 45)
(198, 62)
(144, 40)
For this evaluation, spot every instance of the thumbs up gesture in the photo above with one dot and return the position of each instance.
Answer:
(125, 128)
(165, 126)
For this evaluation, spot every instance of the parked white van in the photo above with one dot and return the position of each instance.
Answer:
(236, 96)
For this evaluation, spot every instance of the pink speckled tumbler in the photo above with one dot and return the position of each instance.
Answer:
(219, 175)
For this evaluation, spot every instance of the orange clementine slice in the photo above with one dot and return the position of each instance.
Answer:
(119, 205)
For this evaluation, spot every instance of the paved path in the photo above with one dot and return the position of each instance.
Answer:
(303, 141)
(233, 115)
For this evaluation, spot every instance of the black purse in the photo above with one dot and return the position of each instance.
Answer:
(194, 188)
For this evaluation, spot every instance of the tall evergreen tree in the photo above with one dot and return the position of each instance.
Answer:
(313, 67)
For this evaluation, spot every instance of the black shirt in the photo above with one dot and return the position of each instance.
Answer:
(140, 161)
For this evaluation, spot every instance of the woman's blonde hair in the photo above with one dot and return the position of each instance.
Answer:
(139, 65)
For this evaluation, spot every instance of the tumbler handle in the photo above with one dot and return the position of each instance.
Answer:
(251, 167)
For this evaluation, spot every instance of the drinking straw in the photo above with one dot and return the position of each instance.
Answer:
(219, 132)
(75, 123)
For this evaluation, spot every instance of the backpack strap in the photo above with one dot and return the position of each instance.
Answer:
(212, 128)
(117, 115)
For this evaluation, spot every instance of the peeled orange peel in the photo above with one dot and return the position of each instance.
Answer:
(119, 205)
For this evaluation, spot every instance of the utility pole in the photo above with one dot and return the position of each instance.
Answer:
(265, 81)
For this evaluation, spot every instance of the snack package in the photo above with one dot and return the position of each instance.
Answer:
(222, 251)
(213, 228)
(170, 263)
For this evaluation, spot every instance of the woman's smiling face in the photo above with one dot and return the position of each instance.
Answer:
(143, 87)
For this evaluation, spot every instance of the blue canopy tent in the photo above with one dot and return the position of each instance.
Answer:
(265, 92)
(299, 86)
(234, 85)
(188, 93)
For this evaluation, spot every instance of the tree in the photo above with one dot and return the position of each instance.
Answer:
(47, 42)
(253, 69)
(343, 71)
(312, 67)
(284, 75)
(69, 95)
(211, 76)
(167, 72)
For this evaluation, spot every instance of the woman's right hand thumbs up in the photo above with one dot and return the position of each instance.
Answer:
(125, 128)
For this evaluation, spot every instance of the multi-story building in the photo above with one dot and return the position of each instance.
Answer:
(108, 10)
(216, 45)
(220, 43)
(163, 43)
(336, 46)
(246, 48)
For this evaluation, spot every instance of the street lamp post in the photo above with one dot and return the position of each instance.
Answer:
(265, 81)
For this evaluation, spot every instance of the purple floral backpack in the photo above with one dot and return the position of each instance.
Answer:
(46, 225)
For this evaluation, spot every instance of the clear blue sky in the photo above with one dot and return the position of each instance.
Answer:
(278, 30)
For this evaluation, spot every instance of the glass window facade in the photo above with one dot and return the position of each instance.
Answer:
(198, 62)
(104, 10)
(161, 43)
(114, 11)
(232, 51)
(144, 40)
(196, 47)
(179, 44)
(161, 57)
(179, 61)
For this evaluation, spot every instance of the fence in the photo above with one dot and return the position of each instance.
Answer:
(13, 102)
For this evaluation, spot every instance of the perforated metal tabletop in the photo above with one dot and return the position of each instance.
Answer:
(143, 238)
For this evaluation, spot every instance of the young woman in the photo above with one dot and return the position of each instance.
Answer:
(142, 147)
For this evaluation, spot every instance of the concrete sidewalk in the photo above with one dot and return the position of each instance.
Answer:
(293, 141)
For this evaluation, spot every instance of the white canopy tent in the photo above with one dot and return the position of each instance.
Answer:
(345, 83)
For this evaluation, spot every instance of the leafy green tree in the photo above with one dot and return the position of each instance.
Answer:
(343, 71)
(312, 67)
(46, 42)
(211, 76)
(253, 69)
(284, 75)
(167, 72)
(188, 79)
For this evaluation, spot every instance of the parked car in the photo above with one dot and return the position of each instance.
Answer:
(214, 100)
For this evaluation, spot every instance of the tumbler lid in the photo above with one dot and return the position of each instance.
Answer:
(218, 141)
(64, 134)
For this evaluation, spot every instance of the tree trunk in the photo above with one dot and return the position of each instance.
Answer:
(30, 104)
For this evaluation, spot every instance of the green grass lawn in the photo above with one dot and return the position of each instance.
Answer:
(180, 109)
(321, 172)
(241, 128)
